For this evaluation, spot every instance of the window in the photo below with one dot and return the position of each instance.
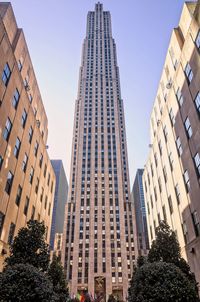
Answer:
(188, 73)
(1, 161)
(23, 119)
(179, 146)
(45, 170)
(24, 163)
(17, 147)
(52, 187)
(48, 180)
(197, 102)
(2, 216)
(19, 194)
(170, 204)
(152, 170)
(9, 182)
(171, 161)
(178, 194)
(197, 163)
(30, 135)
(20, 64)
(196, 223)
(160, 147)
(156, 159)
(15, 99)
(7, 129)
(197, 41)
(30, 98)
(171, 116)
(6, 74)
(49, 209)
(188, 127)
(165, 132)
(37, 186)
(185, 231)
(42, 193)
(33, 213)
(164, 213)
(186, 180)
(45, 203)
(41, 160)
(26, 206)
(31, 175)
(36, 148)
(11, 233)
(165, 173)
(179, 97)
(159, 184)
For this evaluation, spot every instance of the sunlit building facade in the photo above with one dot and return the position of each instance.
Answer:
(172, 172)
(99, 245)
(27, 180)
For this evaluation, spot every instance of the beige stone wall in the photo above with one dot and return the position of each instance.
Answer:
(12, 49)
(179, 211)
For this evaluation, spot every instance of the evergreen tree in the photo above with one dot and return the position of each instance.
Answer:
(166, 248)
(161, 282)
(57, 277)
(111, 298)
(29, 246)
(164, 275)
(25, 283)
(28, 274)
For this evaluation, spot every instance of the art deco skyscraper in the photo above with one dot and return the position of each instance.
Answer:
(99, 240)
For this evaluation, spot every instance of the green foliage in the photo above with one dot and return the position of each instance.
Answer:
(165, 247)
(161, 282)
(163, 276)
(28, 276)
(29, 246)
(111, 298)
(57, 277)
(24, 283)
(141, 260)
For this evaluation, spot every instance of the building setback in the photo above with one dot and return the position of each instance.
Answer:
(99, 247)
(140, 214)
(60, 200)
(172, 172)
(27, 179)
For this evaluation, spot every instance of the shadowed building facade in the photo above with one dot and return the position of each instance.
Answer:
(140, 214)
(99, 245)
(172, 172)
(27, 180)
(60, 200)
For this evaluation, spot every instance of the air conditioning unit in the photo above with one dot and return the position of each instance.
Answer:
(169, 84)
(38, 123)
(27, 87)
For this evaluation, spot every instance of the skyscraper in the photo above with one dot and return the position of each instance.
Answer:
(172, 171)
(60, 200)
(140, 214)
(99, 248)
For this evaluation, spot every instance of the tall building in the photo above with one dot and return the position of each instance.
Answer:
(60, 200)
(99, 248)
(27, 180)
(172, 171)
(140, 214)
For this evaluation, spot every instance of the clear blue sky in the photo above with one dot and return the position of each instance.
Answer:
(54, 32)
